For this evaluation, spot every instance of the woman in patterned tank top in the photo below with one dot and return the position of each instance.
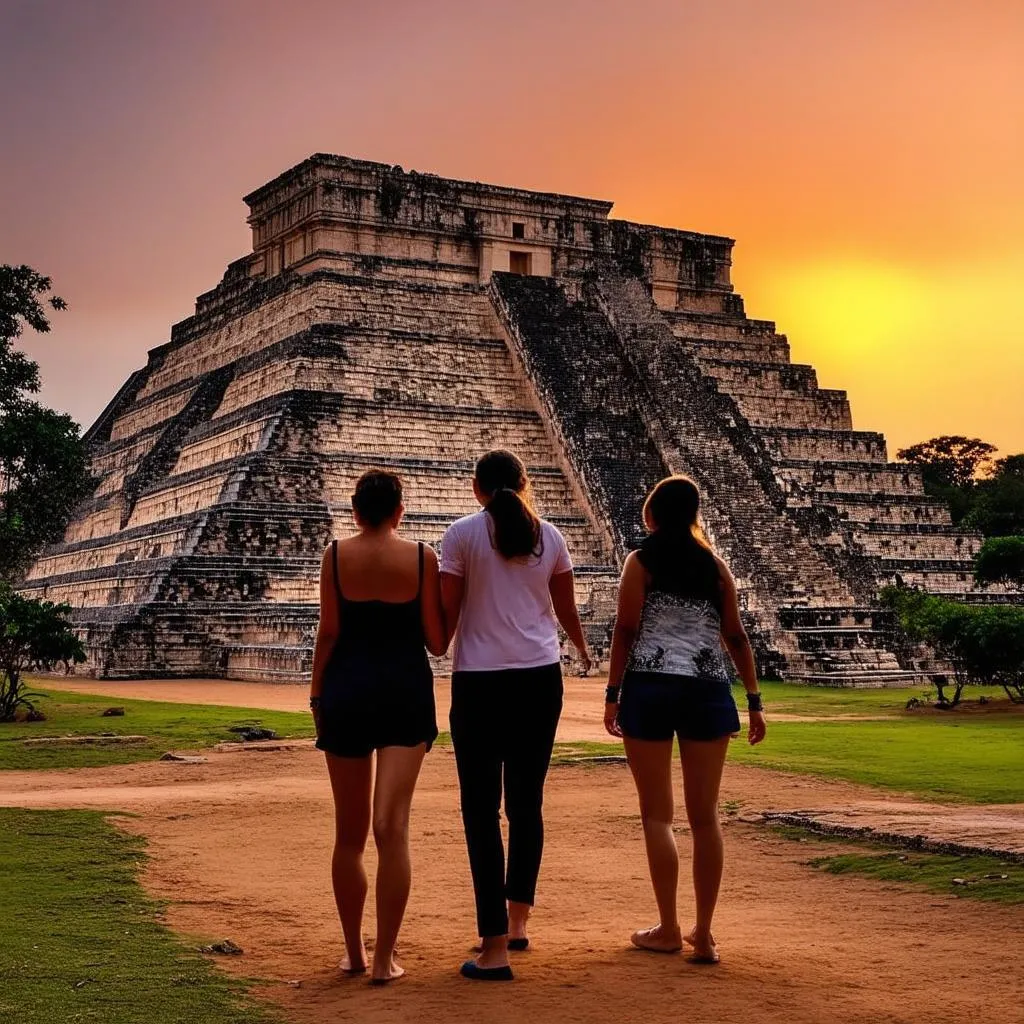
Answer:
(669, 677)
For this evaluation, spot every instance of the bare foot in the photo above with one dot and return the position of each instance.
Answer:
(347, 966)
(705, 951)
(382, 975)
(658, 939)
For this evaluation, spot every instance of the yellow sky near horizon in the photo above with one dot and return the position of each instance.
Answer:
(867, 156)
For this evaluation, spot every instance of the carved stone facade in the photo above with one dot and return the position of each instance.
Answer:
(403, 320)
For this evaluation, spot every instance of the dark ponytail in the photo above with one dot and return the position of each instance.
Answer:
(502, 480)
(676, 553)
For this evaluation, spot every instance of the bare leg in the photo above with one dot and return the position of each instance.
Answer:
(397, 771)
(651, 764)
(703, 762)
(518, 915)
(351, 780)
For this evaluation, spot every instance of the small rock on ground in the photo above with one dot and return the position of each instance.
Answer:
(225, 948)
(250, 733)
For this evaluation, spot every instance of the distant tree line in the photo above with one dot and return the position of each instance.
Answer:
(984, 644)
(983, 493)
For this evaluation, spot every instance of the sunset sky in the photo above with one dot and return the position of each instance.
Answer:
(867, 155)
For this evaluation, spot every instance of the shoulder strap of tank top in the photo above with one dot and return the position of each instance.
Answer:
(336, 573)
(419, 586)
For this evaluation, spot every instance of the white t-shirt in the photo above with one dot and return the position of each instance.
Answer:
(507, 620)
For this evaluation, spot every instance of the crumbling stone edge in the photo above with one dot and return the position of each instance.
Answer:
(904, 842)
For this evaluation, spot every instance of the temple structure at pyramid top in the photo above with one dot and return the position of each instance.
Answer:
(396, 319)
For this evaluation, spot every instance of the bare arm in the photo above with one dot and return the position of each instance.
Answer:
(562, 588)
(434, 633)
(327, 630)
(453, 590)
(632, 590)
(734, 636)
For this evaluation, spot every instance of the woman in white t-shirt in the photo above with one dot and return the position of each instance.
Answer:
(506, 584)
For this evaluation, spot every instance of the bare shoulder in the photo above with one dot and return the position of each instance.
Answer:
(723, 569)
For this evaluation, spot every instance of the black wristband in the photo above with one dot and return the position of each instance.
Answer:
(314, 703)
(611, 694)
(754, 701)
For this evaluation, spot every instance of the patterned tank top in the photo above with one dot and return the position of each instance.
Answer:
(680, 625)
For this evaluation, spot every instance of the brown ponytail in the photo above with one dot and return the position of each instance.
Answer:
(501, 478)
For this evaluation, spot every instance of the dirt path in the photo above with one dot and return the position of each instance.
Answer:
(240, 846)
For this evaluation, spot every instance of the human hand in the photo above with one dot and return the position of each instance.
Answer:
(586, 660)
(758, 726)
(611, 720)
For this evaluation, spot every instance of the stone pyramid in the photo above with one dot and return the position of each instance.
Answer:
(404, 320)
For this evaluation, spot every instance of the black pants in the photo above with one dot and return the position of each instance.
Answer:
(503, 728)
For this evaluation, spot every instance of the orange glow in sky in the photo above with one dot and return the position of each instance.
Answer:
(867, 156)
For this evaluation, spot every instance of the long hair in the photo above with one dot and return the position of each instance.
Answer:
(676, 553)
(501, 477)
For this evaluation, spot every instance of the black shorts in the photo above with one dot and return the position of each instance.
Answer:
(659, 706)
(367, 704)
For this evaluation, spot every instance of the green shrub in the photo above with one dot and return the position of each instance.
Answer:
(984, 645)
(33, 635)
(1001, 560)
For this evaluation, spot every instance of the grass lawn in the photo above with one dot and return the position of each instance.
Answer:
(81, 941)
(168, 727)
(957, 755)
(980, 877)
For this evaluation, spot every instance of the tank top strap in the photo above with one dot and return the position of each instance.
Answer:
(419, 585)
(336, 573)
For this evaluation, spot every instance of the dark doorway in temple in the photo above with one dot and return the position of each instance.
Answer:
(519, 263)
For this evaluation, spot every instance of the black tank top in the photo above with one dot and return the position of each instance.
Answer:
(385, 628)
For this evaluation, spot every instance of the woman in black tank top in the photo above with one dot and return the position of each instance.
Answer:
(372, 693)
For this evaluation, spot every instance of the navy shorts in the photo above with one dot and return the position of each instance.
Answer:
(660, 706)
(370, 702)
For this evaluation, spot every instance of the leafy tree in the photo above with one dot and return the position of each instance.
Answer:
(984, 645)
(997, 506)
(43, 465)
(34, 635)
(1001, 560)
(949, 461)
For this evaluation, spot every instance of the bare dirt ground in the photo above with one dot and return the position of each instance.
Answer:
(240, 847)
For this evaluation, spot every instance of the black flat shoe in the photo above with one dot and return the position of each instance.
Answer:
(471, 969)
(518, 945)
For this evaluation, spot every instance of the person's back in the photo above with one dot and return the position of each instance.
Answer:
(379, 587)
(507, 620)
(668, 680)
(506, 584)
(372, 697)
(681, 622)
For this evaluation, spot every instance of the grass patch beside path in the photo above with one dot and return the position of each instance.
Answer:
(977, 760)
(974, 877)
(81, 941)
(954, 756)
(168, 726)
(828, 701)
